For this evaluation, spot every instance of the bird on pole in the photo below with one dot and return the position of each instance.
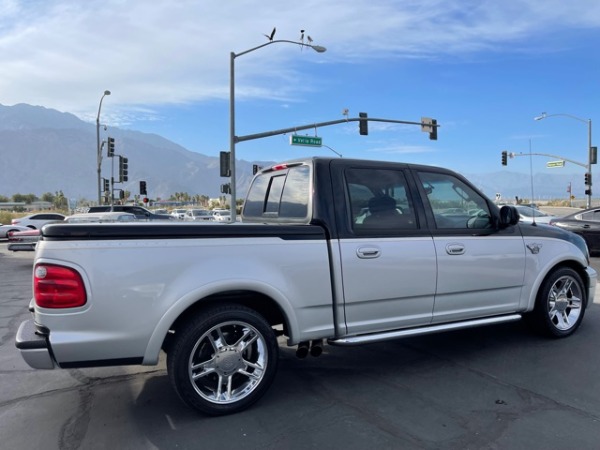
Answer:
(272, 35)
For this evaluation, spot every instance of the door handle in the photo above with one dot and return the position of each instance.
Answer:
(368, 252)
(455, 249)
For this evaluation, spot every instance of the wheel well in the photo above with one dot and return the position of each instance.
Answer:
(262, 304)
(577, 268)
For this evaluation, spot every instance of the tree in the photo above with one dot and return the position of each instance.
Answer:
(27, 198)
(60, 201)
(48, 197)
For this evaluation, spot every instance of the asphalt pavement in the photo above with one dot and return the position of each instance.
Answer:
(499, 387)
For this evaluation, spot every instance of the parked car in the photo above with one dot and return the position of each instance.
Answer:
(529, 214)
(28, 239)
(101, 217)
(25, 240)
(139, 212)
(37, 221)
(178, 213)
(584, 223)
(221, 215)
(5, 229)
(198, 215)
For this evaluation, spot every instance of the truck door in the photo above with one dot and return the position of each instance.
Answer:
(480, 268)
(388, 260)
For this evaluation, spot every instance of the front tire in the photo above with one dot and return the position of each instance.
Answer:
(560, 304)
(223, 360)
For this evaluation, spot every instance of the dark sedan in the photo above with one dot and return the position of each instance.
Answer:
(585, 223)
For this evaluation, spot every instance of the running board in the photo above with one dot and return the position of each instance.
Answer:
(387, 335)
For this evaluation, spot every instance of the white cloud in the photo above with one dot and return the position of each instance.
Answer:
(64, 54)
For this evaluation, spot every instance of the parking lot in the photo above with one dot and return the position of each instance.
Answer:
(499, 387)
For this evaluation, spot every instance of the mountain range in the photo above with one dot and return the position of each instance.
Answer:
(44, 150)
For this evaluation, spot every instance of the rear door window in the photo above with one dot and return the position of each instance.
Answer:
(379, 201)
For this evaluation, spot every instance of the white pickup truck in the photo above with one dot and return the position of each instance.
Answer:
(335, 251)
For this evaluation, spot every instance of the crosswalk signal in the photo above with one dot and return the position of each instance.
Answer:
(123, 169)
(110, 146)
(363, 124)
(226, 188)
(504, 158)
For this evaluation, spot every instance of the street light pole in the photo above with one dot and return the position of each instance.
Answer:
(590, 153)
(99, 148)
(232, 136)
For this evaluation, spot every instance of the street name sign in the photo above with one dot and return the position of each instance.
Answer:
(309, 141)
(555, 164)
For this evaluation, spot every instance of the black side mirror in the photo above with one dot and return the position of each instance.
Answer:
(508, 216)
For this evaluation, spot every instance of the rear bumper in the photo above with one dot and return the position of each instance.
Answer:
(34, 348)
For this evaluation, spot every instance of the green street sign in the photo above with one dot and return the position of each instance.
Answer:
(555, 164)
(309, 141)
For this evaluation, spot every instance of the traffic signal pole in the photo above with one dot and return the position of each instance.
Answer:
(250, 137)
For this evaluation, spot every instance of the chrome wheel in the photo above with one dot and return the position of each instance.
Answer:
(228, 362)
(223, 359)
(560, 304)
(565, 303)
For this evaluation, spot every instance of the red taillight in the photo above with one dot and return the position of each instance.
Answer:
(57, 287)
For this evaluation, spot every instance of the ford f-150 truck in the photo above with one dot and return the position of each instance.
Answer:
(335, 251)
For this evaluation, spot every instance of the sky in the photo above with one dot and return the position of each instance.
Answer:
(483, 69)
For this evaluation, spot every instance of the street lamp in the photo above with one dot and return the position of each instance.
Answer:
(590, 153)
(232, 137)
(98, 148)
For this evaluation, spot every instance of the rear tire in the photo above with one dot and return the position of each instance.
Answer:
(560, 304)
(223, 360)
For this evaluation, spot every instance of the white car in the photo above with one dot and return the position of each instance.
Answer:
(198, 215)
(5, 229)
(178, 213)
(222, 215)
(37, 221)
(528, 214)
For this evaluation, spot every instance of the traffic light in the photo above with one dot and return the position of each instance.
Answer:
(588, 179)
(110, 146)
(433, 132)
(143, 188)
(363, 125)
(255, 169)
(123, 169)
(225, 164)
(429, 125)
(504, 158)
(106, 185)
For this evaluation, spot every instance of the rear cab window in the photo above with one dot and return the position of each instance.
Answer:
(280, 194)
